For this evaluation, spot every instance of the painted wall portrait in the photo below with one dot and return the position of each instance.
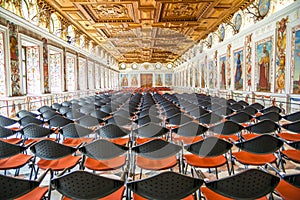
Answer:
(124, 80)
(296, 60)
(239, 71)
(168, 79)
(211, 74)
(134, 80)
(158, 80)
(223, 72)
(263, 62)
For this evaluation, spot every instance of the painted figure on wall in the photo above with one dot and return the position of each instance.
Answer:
(228, 71)
(14, 62)
(223, 72)
(13, 44)
(238, 75)
(134, 81)
(280, 73)
(248, 61)
(124, 79)
(158, 81)
(296, 60)
(264, 70)
(280, 55)
(263, 59)
(45, 66)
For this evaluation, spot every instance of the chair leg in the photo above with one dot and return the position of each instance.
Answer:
(141, 173)
(17, 172)
(32, 167)
(216, 173)
(232, 166)
(36, 173)
(227, 165)
(185, 170)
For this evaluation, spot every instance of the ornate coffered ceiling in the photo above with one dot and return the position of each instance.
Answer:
(147, 30)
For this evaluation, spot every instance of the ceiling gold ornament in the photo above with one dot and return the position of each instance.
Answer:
(112, 11)
(147, 30)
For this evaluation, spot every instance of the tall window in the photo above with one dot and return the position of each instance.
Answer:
(32, 69)
(71, 35)
(82, 74)
(70, 73)
(91, 75)
(55, 72)
(97, 76)
(55, 25)
(30, 11)
(102, 77)
(2, 67)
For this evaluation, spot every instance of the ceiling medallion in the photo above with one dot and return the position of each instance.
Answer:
(115, 11)
(238, 22)
(263, 7)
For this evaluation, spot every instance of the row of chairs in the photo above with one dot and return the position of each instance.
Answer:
(141, 109)
(248, 184)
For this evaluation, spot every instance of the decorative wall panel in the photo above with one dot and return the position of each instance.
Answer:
(14, 63)
(2, 66)
(223, 71)
(239, 71)
(263, 64)
(248, 61)
(280, 55)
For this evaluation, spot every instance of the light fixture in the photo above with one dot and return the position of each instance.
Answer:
(157, 65)
(169, 65)
(123, 66)
(134, 66)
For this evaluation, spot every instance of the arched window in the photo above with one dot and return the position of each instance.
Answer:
(82, 42)
(70, 35)
(55, 25)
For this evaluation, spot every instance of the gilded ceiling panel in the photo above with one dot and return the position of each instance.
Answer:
(147, 30)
